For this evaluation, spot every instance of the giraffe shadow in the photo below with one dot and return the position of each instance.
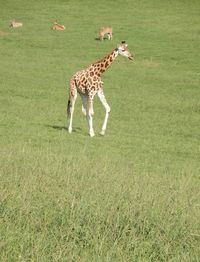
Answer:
(77, 130)
(63, 128)
(59, 128)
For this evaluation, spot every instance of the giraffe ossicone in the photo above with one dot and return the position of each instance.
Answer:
(88, 83)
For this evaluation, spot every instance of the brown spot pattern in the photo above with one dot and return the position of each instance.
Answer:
(88, 81)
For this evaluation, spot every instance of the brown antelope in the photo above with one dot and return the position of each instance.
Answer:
(57, 26)
(105, 31)
(15, 24)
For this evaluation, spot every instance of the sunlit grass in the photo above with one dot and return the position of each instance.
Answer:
(132, 195)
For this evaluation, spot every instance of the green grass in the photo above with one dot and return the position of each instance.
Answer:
(132, 195)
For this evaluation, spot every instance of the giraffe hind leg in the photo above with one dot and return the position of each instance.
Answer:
(84, 104)
(71, 104)
(87, 109)
(89, 116)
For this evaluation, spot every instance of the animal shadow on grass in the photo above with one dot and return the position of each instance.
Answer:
(98, 39)
(79, 131)
(61, 128)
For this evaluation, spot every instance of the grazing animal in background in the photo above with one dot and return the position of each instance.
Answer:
(105, 31)
(57, 26)
(88, 83)
(15, 24)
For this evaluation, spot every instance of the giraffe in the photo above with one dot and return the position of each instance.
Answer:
(88, 83)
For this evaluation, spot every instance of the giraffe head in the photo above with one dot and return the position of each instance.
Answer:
(123, 50)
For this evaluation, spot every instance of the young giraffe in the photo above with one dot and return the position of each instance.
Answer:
(88, 83)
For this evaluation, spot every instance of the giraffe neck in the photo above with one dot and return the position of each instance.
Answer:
(102, 65)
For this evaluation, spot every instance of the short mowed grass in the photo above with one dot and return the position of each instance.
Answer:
(132, 195)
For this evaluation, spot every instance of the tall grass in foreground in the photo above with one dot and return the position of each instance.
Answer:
(130, 196)
(52, 210)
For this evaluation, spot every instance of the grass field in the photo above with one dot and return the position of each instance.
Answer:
(132, 195)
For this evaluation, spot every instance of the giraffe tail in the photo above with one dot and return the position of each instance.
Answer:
(72, 97)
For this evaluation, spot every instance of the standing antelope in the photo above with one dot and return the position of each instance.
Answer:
(15, 24)
(88, 83)
(105, 31)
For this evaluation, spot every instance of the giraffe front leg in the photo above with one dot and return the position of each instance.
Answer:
(89, 114)
(107, 108)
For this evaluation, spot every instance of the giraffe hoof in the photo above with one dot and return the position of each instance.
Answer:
(102, 132)
(69, 130)
(91, 133)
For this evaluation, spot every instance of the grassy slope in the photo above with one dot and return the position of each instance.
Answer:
(132, 195)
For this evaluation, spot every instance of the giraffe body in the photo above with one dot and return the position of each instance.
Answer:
(88, 83)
